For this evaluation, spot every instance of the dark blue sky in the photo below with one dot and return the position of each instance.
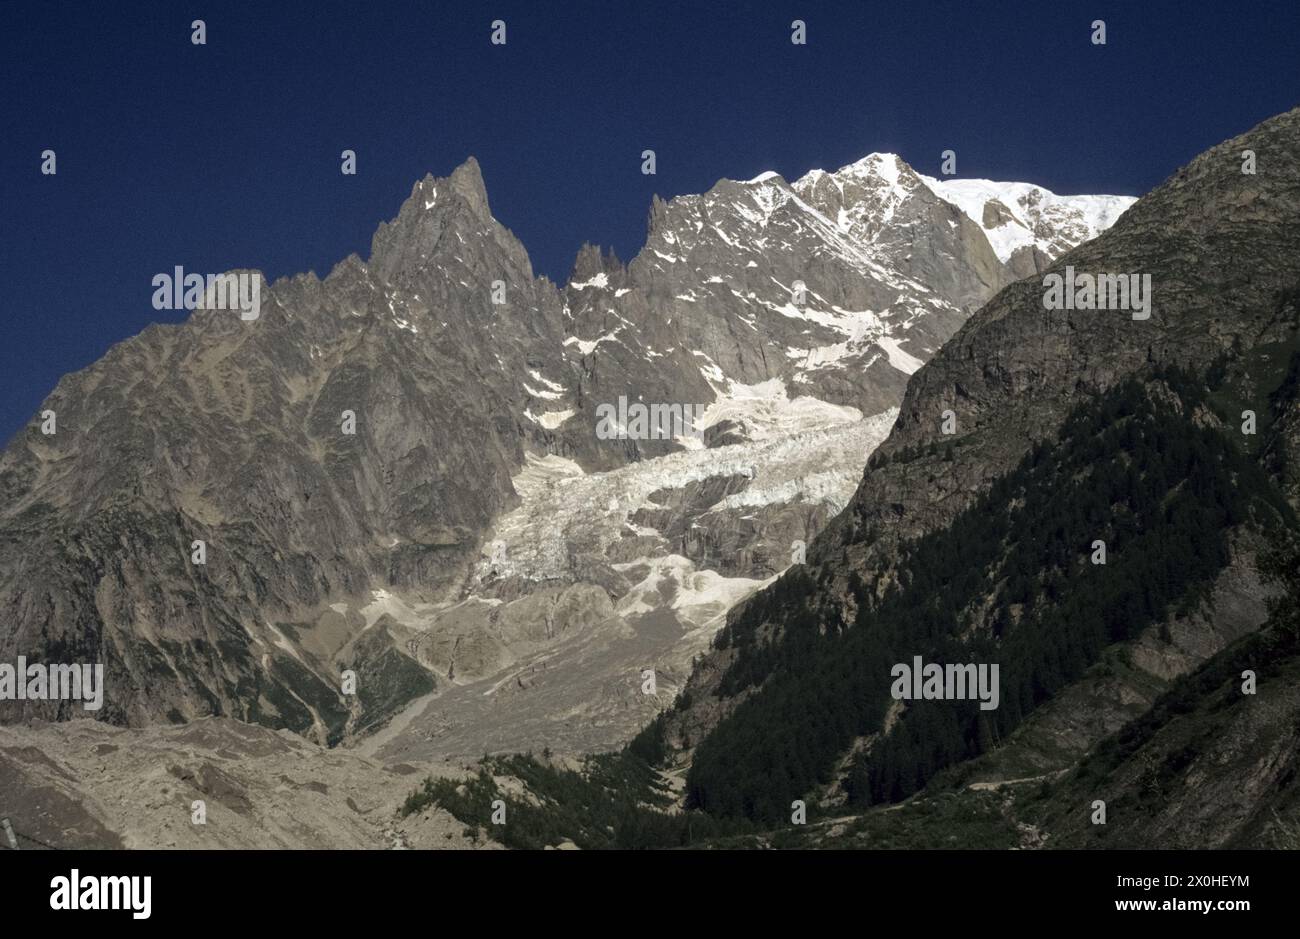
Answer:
(227, 155)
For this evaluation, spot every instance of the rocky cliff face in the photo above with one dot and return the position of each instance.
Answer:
(352, 458)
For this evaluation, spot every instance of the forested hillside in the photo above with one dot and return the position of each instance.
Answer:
(1146, 469)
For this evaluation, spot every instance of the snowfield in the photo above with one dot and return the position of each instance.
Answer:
(1028, 205)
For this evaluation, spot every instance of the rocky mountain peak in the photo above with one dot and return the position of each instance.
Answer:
(436, 207)
(655, 216)
(591, 261)
(864, 197)
(467, 181)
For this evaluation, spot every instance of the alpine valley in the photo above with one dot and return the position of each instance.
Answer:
(660, 639)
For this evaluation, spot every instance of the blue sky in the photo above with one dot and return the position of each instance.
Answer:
(227, 155)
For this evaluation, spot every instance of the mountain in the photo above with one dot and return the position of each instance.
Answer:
(231, 432)
(395, 470)
(1168, 437)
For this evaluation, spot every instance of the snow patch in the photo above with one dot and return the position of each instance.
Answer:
(537, 376)
(549, 419)
(600, 280)
(587, 346)
(541, 394)
(897, 357)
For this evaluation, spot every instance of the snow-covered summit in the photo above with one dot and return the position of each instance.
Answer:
(1016, 215)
